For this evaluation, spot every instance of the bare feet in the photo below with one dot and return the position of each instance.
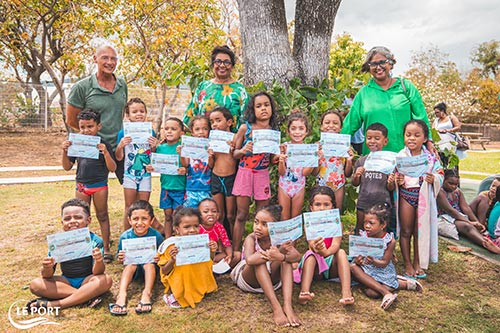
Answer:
(280, 318)
(292, 316)
(305, 296)
(490, 246)
(347, 300)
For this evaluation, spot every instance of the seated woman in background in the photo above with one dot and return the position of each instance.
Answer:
(482, 202)
(492, 240)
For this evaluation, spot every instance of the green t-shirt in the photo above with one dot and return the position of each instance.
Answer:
(171, 182)
(392, 108)
(493, 220)
(208, 95)
(88, 94)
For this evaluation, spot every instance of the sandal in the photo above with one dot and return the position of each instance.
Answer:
(139, 309)
(421, 275)
(37, 303)
(412, 284)
(108, 258)
(171, 301)
(388, 300)
(122, 309)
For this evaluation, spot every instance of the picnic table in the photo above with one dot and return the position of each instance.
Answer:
(475, 137)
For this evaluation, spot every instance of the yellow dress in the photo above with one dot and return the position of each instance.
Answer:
(189, 283)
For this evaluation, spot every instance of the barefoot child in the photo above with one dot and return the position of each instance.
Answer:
(185, 285)
(413, 192)
(374, 186)
(82, 279)
(198, 172)
(252, 178)
(265, 268)
(136, 156)
(324, 259)
(140, 217)
(224, 170)
(292, 181)
(332, 171)
(173, 187)
(92, 174)
(210, 225)
(378, 275)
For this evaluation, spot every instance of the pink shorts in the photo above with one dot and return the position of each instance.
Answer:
(250, 182)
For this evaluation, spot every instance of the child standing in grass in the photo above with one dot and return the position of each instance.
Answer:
(185, 285)
(265, 268)
(224, 170)
(292, 181)
(92, 174)
(82, 279)
(140, 217)
(324, 259)
(173, 187)
(374, 186)
(378, 275)
(198, 171)
(136, 156)
(333, 170)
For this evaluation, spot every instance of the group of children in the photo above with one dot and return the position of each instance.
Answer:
(206, 193)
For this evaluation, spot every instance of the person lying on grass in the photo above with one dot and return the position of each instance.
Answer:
(140, 218)
(82, 279)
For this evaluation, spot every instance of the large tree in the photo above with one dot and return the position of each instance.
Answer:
(267, 54)
(487, 55)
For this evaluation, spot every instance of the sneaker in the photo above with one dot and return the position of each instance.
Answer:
(170, 300)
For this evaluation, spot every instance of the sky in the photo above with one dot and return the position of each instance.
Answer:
(455, 27)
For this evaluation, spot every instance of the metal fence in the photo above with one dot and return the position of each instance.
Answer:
(37, 106)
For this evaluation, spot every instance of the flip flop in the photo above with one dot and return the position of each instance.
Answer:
(108, 258)
(422, 275)
(112, 306)
(388, 300)
(171, 301)
(139, 309)
(407, 276)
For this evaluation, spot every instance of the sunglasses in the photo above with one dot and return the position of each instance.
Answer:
(219, 62)
(380, 63)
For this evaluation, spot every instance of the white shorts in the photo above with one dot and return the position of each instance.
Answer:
(144, 185)
(237, 278)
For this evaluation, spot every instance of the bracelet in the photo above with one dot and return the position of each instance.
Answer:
(284, 257)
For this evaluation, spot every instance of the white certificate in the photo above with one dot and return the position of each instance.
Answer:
(140, 250)
(366, 246)
(166, 164)
(266, 141)
(324, 223)
(196, 148)
(412, 166)
(70, 245)
(302, 155)
(218, 141)
(283, 231)
(83, 146)
(334, 144)
(381, 161)
(138, 131)
(192, 249)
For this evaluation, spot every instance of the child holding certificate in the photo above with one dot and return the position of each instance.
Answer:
(333, 170)
(417, 202)
(173, 187)
(136, 156)
(199, 171)
(324, 259)
(185, 285)
(252, 178)
(292, 181)
(224, 170)
(82, 279)
(265, 268)
(92, 174)
(142, 265)
(378, 275)
(374, 186)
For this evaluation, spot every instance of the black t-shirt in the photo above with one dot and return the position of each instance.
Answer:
(89, 170)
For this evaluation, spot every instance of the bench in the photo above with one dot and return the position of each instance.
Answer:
(482, 141)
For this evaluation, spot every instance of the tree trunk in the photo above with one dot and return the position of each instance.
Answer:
(314, 22)
(264, 36)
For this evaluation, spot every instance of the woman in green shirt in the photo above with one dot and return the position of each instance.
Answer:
(222, 90)
(384, 99)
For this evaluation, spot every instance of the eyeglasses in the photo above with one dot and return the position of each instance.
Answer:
(219, 62)
(107, 58)
(374, 64)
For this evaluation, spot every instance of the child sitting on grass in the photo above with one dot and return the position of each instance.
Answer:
(140, 217)
(82, 279)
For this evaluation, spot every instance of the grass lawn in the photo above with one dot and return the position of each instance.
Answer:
(461, 291)
(487, 162)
